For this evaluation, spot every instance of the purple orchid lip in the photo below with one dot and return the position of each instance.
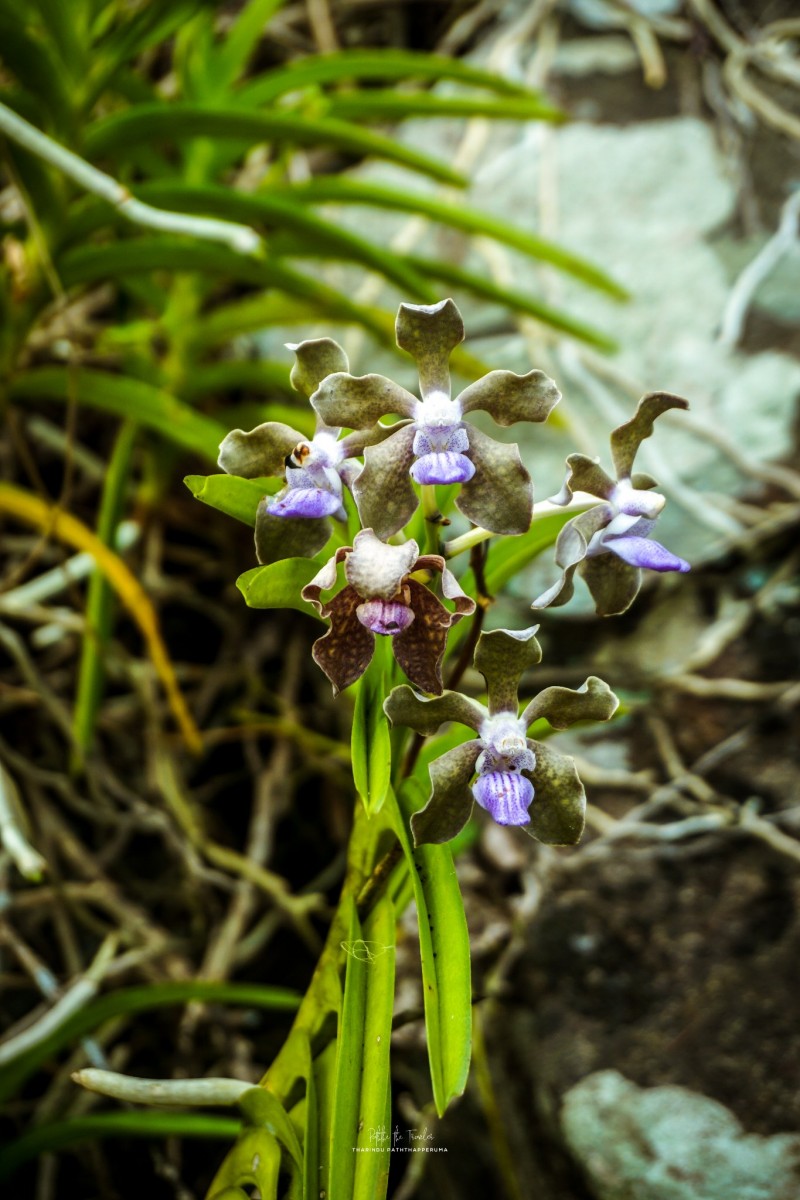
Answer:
(505, 795)
(445, 467)
(644, 552)
(305, 502)
(385, 617)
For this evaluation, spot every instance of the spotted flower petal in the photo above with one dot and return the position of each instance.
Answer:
(558, 812)
(500, 495)
(430, 333)
(508, 397)
(346, 650)
(261, 452)
(502, 656)
(420, 648)
(450, 805)
(383, 491)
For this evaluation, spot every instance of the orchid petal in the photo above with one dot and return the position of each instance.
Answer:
(446, 466)
(571, 547)
(450, 805)
(500, 495)
(451, 588)
(262, 451)
(386, 617)
(614, 584)
(277, 538)
(359, 401)
(559, 808)
(562, 707)
(346, 650)
(584, 474)
(383, 490)
(508, 397)
(376, 569)
(305, 502)
(424, 715)
(315, 359)
(419, 650)
(626, 440)
(505, 795)
(644, 552)
(502, 656)
(430, 333)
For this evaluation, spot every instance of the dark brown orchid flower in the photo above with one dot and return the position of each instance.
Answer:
(382, 597)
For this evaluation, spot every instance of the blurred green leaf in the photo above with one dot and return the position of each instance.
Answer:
(337, 190)
(146, 123)
(124, 397)
(384, 64)
(44, 1139)
(374, 105)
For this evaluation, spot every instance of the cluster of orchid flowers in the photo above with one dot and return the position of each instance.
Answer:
(386, 590)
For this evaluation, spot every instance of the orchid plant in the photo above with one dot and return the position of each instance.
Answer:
(348, 497)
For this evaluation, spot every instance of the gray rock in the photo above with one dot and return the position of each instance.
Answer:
(669, 1143)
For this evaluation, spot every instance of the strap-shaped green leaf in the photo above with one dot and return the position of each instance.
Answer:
(371, 741)
(375, 105)
(154, 408)
(444, 951)
(159, 122)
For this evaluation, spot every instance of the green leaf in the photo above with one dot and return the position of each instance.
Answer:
(314, 70)
(374, 105)
(371, 740)
(242, 38)
(444, 950)
(247, 375)
(362, 1062)
(156, 123)
(141, 999)
(279, 584)
(338, 190)
(258, 312)
(253, 1162)
(44, 1139)
(517, 301)
(231, 495)
(263, 1110)
(127, 398)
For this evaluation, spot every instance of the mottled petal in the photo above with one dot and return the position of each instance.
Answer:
(376, 569)
(505, 795)
(288, 537)
(571, 547)
(614, 584)
(358, 401)
(424, 715)
(383, 490)
(642, 481)
(386, 617)
(315, 359)
(562, 707)
(502, 656)
(262, 451)
(346, 650)
(584, 474)
(500, 496)
(353, 444)
(450, 805)
(305, 502)
(430, 333)
(559, 807)
(626, 440)
(444, 467)
(451, 588)
(419, 650)
(644, 552)
(509, 397)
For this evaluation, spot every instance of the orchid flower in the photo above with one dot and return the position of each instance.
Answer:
(295, 522)
(435, 444)
(381, 597)
(517, 780)
(610, 543)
